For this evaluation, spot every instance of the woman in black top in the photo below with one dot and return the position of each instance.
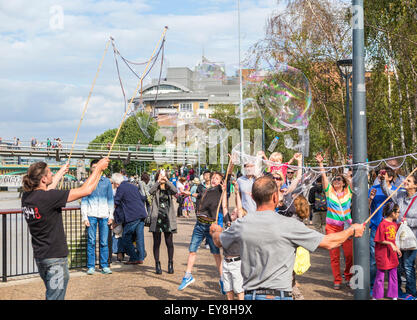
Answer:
(163, 219)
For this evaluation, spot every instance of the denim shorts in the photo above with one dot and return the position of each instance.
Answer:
(201, 231)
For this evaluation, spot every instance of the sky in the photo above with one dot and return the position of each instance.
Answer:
(50, 52)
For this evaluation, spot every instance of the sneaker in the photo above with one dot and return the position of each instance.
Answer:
(222, 287)
(207, 246)
(91, 271)
(407, 297)
(106, 270)
(185, 283)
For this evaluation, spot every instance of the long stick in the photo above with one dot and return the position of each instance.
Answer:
(85, 106)
(229, 168)
(136, 91)
(376, 210)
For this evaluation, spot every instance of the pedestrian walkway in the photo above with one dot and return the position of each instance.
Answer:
(139, 282)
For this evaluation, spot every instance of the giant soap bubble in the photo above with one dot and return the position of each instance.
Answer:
(283, 95)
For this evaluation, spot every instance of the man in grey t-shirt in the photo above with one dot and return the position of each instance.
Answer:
(269, 241)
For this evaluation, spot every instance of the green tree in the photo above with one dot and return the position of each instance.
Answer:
(129, 136)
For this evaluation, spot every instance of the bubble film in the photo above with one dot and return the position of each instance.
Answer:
(283, 95)
(250, 109)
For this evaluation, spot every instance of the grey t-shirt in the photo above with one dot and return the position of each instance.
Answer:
(233, 250)
(245, 188)
(268, 243)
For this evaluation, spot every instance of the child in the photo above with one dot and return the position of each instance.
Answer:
(277, 158)
(231, 275)
(302, 211)
(188, 205)
(387, 253)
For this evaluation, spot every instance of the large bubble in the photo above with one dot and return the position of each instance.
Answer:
(188, 130)
(283, 95)
(250, 109)
(210, 70)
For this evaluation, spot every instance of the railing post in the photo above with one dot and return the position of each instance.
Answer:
(4, 249)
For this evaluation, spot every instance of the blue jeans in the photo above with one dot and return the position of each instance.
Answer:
(129, 230)
(372, 257)
(407, 265)
(117, 245)
(201, 231)
(55, 275)
(103, 230)
(254, 296)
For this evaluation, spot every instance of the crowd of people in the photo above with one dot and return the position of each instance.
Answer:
(266, 202)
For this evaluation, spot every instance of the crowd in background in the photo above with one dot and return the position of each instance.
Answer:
(126, 205)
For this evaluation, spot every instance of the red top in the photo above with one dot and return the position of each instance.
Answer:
(283, 168)
(385, 257)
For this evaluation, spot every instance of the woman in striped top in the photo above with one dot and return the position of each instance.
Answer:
(338, 218)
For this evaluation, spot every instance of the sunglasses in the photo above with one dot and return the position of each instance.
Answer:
(290, 172)
(338, 179)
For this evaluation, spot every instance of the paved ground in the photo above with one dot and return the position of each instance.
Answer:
(139, 282)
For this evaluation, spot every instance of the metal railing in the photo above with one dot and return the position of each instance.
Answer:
(16, 243)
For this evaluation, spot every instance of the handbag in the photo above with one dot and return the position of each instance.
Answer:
(148, 220)
(405, 238)
(302, 261)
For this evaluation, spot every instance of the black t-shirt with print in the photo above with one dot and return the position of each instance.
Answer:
(43, 213)
(209, 203)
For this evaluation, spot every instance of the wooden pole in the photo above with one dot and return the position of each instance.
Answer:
(229, 169)
(85, 106)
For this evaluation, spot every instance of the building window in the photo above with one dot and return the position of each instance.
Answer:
(201, 105)
(186, 107)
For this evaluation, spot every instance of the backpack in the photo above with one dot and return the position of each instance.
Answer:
(320, 201)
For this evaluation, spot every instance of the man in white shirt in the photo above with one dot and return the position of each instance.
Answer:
(97, 211)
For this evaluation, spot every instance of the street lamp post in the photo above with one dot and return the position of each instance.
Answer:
(360, 209)
(345, 69)
(241, 89)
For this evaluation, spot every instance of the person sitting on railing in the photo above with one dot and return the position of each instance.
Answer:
(41, 206)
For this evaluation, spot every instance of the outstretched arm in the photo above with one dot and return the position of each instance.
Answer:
(238, 201)
(58, 176)
(293, 185)
(91, 183)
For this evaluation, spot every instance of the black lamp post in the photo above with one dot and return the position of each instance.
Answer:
(345, 69)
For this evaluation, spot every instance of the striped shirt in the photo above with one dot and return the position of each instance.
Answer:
(338, 207)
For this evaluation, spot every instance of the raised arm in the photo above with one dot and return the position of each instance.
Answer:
(386, 189)
(325, 181)
(294, 183)
(58, 176)
(91, 183)
(238, 201)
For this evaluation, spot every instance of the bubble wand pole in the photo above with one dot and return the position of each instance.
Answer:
(136, 91)
(85, 107)
(229, 170)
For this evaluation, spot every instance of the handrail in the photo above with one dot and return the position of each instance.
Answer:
(16, 211)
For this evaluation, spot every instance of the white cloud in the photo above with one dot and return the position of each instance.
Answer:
(47, 74)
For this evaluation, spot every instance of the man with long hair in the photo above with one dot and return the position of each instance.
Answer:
(41, 206)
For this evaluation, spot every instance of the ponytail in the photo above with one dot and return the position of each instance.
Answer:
(33, 178)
